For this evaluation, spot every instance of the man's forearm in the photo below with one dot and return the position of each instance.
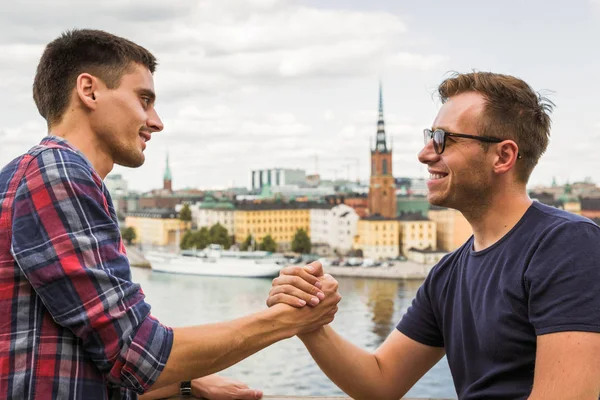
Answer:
(163, 392)
(351, 368)
(203, 350)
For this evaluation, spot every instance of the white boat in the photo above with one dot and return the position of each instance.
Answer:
(213, 264)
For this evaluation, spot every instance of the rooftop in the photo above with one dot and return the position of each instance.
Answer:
(158, 213)
(590, 203)
(282, 206)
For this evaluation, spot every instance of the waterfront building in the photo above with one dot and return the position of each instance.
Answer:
(382, 187)
(320, 227)
(378, 237)
(333, 229)
(116, 185)
(358, 202)
(425, 256)
(590, 207)
(416, 232)
(278, 219)
(412, 204)
(276, 177)
(158, 227)
(211, 211)
(452, 227)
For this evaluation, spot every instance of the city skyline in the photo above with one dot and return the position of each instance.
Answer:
(246, 85)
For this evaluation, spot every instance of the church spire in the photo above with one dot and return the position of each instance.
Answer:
(381, 144)
(167, 176)
(167, 179)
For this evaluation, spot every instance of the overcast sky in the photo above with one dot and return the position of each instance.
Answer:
(248, 84)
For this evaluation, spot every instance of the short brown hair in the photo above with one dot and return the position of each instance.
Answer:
(99, 53)
(513, 110)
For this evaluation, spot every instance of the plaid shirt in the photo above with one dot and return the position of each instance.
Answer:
(72, 324)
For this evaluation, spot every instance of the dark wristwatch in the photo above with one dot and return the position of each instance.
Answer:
(185, 389)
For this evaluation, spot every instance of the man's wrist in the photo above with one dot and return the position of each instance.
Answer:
(185, 389)
(312, 335)
(280, 316)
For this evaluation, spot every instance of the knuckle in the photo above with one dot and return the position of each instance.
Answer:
(296, 270)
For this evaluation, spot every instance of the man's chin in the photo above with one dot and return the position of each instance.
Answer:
(436, 200)
(132, 162)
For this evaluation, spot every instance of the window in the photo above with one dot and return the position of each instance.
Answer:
(385, 169)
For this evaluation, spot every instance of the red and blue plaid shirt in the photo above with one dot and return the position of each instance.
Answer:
(72, 324)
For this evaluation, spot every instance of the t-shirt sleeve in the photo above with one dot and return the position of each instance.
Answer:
(420, 323)
(563, 280)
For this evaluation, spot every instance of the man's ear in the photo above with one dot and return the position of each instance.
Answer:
(506, 155)
(86, 86)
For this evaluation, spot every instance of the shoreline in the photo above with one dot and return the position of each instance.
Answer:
(402, 270)
(405, 270)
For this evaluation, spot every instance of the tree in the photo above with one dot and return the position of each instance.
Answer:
(186, 213)
(268, 244)
(218, 235)
(301, 242)
(128, 234)
(195, 240)
(201, 238)
(187, 240)
(246, 244)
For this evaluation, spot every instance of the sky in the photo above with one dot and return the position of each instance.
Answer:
(252, 84)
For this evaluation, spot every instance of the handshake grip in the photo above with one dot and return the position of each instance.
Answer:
(313, 295)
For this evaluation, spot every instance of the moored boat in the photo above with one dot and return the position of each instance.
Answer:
(211, 263)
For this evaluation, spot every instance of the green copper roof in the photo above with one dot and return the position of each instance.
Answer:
(167, 176)
(210, 205)
(266, 192)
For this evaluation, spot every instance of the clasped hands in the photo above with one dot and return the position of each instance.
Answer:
(301, 286)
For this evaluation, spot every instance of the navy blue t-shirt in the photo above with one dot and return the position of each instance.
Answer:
(487, 307)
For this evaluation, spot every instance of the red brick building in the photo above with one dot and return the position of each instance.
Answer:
(382, 188)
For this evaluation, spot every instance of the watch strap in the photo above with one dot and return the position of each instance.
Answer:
(185, 389)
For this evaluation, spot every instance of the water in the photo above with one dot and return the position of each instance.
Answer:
(368, 312)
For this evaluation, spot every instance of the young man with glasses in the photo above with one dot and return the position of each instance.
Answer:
(516, 309)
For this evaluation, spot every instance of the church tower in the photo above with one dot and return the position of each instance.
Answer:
(382, 188)
(167, 180)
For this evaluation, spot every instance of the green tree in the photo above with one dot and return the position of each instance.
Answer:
(187, 240)
(218, 235)
(128, 234)
(195, 239)
(186, 213)
(268, 244)
(202, 238)
(246, 244)
(301, 242)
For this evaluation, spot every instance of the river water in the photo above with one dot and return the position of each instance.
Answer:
(368, 312)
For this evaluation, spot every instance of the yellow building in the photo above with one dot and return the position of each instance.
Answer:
(416, 232)
(280, 220)
(156, 227)
(453, 229)
(378, 237)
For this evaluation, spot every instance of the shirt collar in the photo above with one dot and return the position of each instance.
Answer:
(59, 142)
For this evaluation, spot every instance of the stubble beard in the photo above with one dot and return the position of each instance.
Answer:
(127, 154)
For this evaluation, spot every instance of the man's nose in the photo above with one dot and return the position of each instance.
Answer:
(154, 122)
(427, 155)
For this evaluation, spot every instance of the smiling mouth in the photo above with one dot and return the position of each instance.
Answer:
(434, 176)
(145, 136)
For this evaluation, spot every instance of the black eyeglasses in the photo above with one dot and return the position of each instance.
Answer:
(439, 139)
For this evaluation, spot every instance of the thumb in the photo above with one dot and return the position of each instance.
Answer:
(315, 268)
